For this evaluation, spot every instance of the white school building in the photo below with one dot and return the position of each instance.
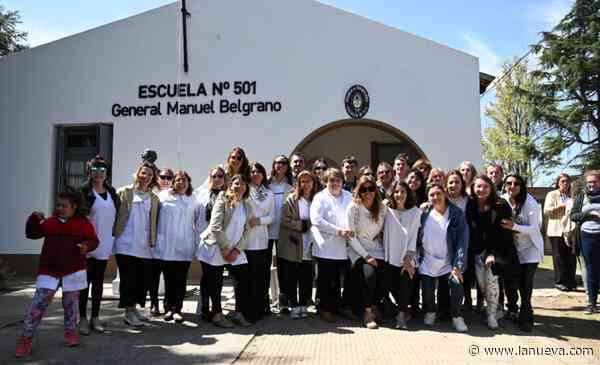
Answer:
(271, 76)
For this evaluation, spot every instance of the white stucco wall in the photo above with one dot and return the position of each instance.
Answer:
(303, 53)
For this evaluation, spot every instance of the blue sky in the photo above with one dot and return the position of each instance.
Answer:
(494, 30)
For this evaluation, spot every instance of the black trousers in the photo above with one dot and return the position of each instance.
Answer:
(329, 284)
(297, 278)
(370, 282)
(259, 273)
(157, 268)
(448, 291)
(400, 285)
(95, 277)
(564, 262)
(211, 285)
(519, 283)
(176, 273)
(241, 288)
(134, 275)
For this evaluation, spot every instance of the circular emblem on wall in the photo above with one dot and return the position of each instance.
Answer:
(357, 101)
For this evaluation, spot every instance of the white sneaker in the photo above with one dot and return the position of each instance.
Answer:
(295, 314)
(459, 324)
(303, 312)
(401, 320)
(492, 322)
(429, 319)
(140, 316)
(131, 319)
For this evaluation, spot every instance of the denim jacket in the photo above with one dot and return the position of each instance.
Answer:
(457, 236)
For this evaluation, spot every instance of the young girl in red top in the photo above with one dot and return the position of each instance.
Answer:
(68, 237)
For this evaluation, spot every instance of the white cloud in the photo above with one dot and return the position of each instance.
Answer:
(489, 61)
(552, 11)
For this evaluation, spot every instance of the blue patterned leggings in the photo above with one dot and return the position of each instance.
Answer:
(41, 300)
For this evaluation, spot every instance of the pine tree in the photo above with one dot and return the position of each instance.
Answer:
(11, 40)
(568, 101)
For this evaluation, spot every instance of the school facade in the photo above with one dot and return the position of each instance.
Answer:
(270, 76)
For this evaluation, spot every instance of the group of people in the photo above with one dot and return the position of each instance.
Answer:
(424, 236)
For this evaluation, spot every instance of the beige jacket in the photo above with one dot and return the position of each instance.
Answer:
(553, 200)
(126, 195)
(290, 245)
(219, 220)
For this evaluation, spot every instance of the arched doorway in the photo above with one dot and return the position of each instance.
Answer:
(370, 141)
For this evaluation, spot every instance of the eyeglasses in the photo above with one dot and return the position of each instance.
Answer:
(166, 177)
(367, 189)
(218, 176)
(237, 157)
(385, 172)
(98, 169)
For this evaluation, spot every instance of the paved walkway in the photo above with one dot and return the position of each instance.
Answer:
(560, 326)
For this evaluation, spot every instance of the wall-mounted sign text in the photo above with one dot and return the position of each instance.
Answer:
(222, 97)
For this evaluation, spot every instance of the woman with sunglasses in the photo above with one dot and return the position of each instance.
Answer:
(176, 242)
(442, 244)
(402, 222)
(165, 178)
(103, 201)
(257, 250)
(212, 270)
(280, 184)
(490, 245)
(526, 224)
(318, 169)
(224, 242)
(330, 230)
(366, 214)
(237, 163)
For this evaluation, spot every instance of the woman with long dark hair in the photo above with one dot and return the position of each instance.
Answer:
(103, 201)
(526, 224)
(402, 222)
(489, 243)
(237, 163)
(366, 214)
(416, 183)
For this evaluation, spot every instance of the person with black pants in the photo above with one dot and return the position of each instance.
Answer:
(103, 202)
(176, 242)
(526, 227)
(295, 245)
(330, 230)
(257, 248)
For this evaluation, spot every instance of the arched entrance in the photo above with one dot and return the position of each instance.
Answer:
(370, 141)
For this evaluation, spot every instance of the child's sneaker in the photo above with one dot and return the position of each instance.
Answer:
(71, 338)
(23, 346)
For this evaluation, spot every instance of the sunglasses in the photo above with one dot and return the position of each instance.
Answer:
(98, 169)
(218, 176)
(512, 183)
(237, 157)
(320, 168)
(166, 177)
(367, 189)
(384, 172)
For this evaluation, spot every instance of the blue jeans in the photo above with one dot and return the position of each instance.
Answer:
(590, 249)
(445, 284)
